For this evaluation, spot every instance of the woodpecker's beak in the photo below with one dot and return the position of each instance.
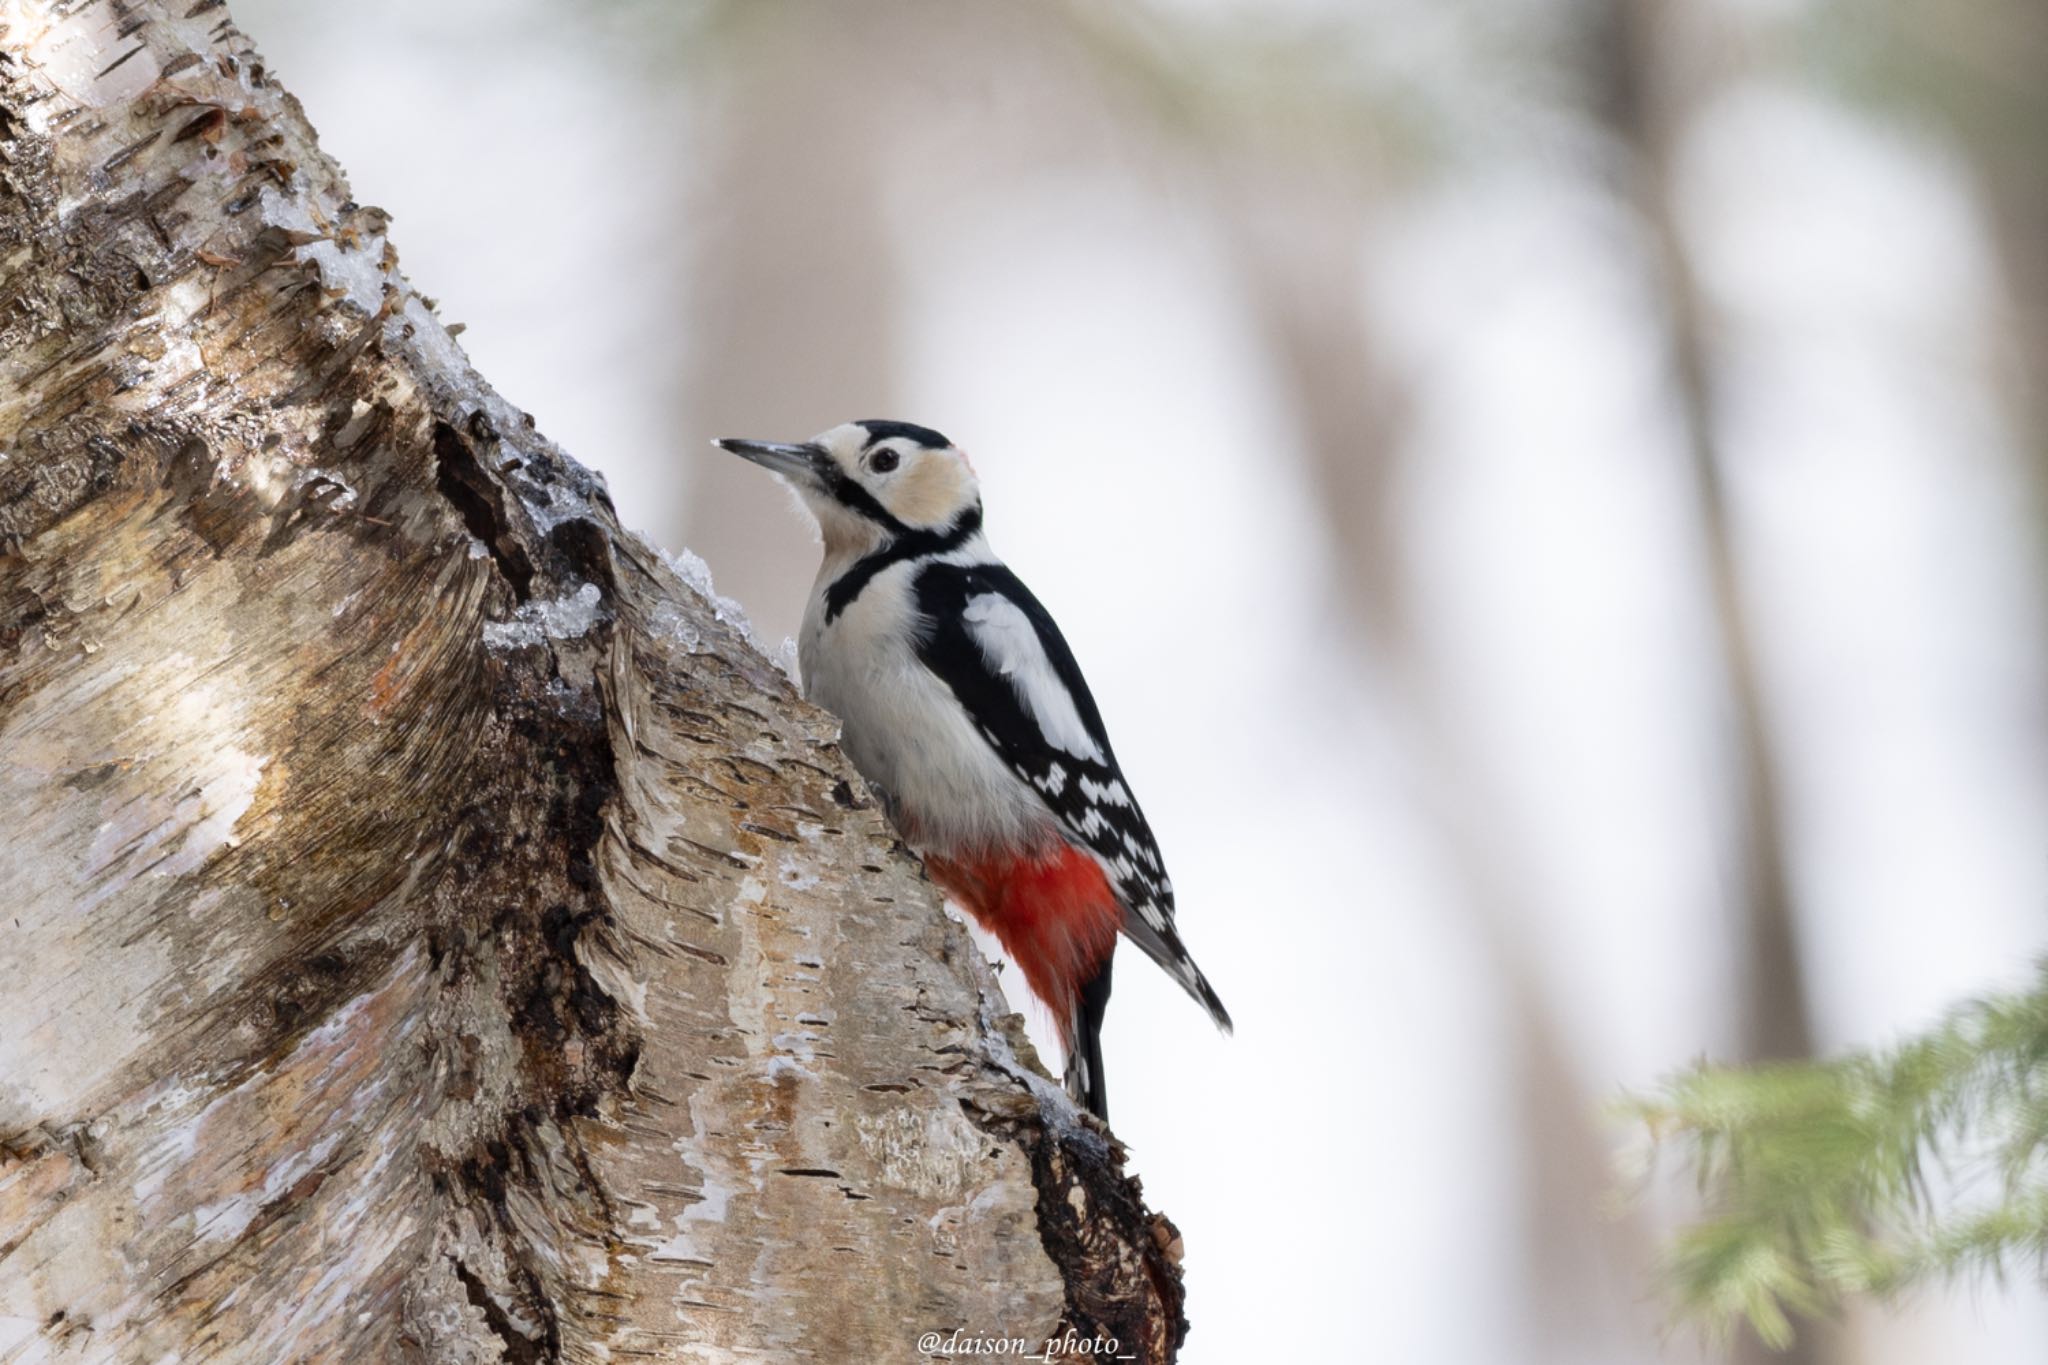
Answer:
(802, 463)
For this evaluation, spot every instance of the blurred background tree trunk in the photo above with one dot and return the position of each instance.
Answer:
(433, 931)
(1981, 68)
(791, 274)
(1648, 65)
(1301, 218)
(1643, 93)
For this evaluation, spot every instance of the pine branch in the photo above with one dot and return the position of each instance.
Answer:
(1829, 1179)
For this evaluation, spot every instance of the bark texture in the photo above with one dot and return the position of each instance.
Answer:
(428, 929)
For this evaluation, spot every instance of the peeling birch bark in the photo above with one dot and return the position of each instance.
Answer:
(428, 929)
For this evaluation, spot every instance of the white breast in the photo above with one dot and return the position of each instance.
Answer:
(905, 730)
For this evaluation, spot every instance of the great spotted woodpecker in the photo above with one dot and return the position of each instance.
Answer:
(964, 709)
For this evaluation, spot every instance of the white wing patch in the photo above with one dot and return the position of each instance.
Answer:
(1011, 645)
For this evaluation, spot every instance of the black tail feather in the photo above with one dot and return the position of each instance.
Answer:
(1163, 946)
(1085, 1079)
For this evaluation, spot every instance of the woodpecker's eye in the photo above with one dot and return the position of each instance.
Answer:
(883, 460)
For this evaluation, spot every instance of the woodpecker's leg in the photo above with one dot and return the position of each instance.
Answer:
(892, 809)
(1085, 1081)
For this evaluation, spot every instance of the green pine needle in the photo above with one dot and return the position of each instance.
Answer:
(1816, 1176)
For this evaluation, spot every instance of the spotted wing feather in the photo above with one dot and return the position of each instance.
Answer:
(998, 649)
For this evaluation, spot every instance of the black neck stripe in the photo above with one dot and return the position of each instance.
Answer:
(857, 499)
(841, 591)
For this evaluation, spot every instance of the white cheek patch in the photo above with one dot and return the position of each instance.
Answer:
(1011, 645)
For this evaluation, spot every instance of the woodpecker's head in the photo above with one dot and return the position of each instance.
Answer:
(872, 482)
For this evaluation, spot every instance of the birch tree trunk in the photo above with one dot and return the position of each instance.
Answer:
(428, 929)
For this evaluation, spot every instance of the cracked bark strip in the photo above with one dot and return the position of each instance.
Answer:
(430, 931)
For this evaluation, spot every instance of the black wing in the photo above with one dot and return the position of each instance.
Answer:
(998, 649)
